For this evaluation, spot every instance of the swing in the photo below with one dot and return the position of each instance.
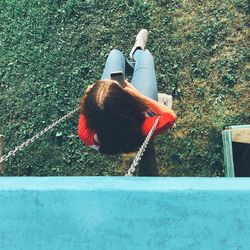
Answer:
(163, 98)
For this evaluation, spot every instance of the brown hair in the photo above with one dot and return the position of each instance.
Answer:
(115, 116)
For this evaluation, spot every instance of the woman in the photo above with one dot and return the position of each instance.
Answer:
(115, 119)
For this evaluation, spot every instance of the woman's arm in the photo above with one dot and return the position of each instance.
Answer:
(155, 106)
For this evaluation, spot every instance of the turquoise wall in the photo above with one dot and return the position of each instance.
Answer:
(98, 213)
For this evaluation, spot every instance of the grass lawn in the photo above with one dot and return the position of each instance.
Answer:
(51, 50)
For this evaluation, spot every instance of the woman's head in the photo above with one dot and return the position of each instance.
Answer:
(115, 116)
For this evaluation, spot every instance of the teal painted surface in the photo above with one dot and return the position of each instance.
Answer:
(113, 213)
(228, 153)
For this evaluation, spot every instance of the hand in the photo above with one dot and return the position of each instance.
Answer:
(85, 95)
(89, 88)
(131, 89)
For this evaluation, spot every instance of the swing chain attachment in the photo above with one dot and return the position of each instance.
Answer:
(32, 139)
(142, 149)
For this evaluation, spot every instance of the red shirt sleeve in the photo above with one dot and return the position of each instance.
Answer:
(166, 121)
(85, 134)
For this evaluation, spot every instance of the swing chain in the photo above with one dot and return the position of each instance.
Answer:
(32, 139)
(142, 149)
(55, 123)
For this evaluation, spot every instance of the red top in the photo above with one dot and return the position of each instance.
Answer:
(166, 121)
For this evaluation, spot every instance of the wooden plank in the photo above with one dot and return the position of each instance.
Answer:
(241, 135)
(228, 153)
(239, 126)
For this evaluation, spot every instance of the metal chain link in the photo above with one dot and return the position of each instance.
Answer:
(38, 135)
(32, 139)
(142, 149)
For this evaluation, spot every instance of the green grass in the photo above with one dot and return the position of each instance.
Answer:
(51, 50)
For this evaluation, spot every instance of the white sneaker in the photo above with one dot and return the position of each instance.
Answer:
(165, 99)
(140, 42)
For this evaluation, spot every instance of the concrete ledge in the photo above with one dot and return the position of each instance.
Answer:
(70, 213)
